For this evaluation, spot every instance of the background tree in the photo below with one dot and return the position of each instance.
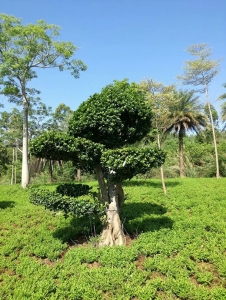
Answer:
(61, 117)
(22, 50)
(199, 73)
(158, 97)
(98, 138)
(4, 159)
(182, 116)
(223, 108)
(11, 125)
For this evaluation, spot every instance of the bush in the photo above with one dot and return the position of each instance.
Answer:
(73, 190)
(69, 205)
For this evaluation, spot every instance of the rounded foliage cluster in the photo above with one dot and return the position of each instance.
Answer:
(73, 189)
(68, 205)
(121, 164)
(59, 146)
(116, 117)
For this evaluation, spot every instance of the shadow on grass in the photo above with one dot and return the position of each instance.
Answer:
(6, 204)
(149, 183)
(136, 218)
(144, 217)
(79, 229)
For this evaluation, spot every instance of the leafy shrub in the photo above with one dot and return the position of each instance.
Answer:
(69, 205)
(73, 190)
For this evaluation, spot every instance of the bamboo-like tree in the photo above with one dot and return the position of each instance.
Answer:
(184, 115)
(199, 73)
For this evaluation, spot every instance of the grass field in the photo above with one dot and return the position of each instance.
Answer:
(176, 246)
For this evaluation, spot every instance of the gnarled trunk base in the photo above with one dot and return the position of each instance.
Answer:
(112, 233)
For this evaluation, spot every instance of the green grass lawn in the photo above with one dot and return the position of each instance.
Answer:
(176, 249)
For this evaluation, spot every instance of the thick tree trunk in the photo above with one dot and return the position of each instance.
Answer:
(112, 233)
(120, 193)
(78, 177)
(25, 166)
(214, 135)
(102, 185)
(181, 154)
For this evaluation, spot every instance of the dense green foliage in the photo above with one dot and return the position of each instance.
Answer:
(72, 189)
(82, 207)
(125, 163)
(53, 145)
(115, 117)
(4, 159)
(178, 250)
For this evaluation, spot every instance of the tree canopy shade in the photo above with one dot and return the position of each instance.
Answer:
(98, 138)
(22, 50)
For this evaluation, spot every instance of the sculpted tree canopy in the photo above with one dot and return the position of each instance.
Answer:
(100, 137)
(23, 49)
(116, 117)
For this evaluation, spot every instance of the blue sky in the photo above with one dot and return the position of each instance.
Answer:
(124, 39)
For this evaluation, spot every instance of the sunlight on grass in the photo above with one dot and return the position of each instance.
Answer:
(176, 250)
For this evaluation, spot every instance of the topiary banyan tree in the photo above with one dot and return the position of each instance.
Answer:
(101, 137)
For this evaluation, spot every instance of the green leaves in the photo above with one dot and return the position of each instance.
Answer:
(121, 164)
(199, 72)
(59, 146)
(69, 205)
(24, 48)
(72, 189)
(116, 117)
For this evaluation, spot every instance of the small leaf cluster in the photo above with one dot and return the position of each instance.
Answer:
(121, 164)
(69, 205)
(73, 190)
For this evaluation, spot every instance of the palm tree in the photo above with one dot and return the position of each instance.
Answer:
(184, 114)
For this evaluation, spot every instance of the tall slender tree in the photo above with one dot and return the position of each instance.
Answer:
(61, 117)
(183, 115)
(223, 108)
(199, 73)
(23, 49)
(158, 97)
